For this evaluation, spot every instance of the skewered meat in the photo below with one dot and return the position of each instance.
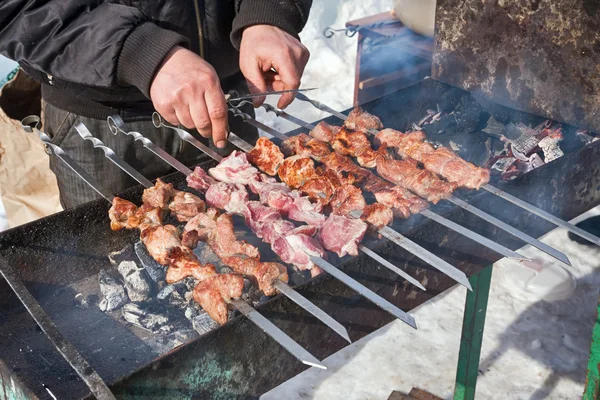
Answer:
(186, 205)
(342, 235)
(212, 292)
(325, 132)
(199, 228)
(263, 273)
(441, 161)
(297, 249)
(319, 189)
(454, 169)
(346, 171)
(120, 212)
(266, 156)
(296, 170)
(377, 215)
(235, 168)
(183, 263)
(355, 144)
(200, 180)
(421, 182)
(304, 146)
(400, 200)
(227, 196)
(408, 145)
(347, 198)
(224, 242)
(360, 120)
(159, 194)
(146, 216)
(159, 240)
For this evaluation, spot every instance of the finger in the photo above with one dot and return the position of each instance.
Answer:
(290, 76)
(184, 117)
(171, 117)
(200, 116)
(256, 81)
(217, 110)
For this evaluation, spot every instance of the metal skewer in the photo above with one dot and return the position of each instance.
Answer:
(492, 189)
(453, 199)
(291, 293)
(347, 280)
(245, 146)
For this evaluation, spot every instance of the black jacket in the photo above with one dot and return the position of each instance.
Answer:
(96, 57)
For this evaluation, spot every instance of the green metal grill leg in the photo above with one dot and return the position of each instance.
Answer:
(472, 335)
(592, 384)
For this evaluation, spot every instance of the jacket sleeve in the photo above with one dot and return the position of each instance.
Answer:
(87, 42)
(289, 15)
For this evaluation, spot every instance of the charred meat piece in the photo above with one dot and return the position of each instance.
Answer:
(120, 212)
(400, 200)
(200, 180)
(360, 120)
(408, 145)
(350, 143)
(266, 156)
(296, 170)
(235, 168)
(325, 132)
(186, 205)
(454, 169)
(377, 216)
(345, 170)
(213, 292)
(159, 194)
(319, 189)
(342, 235)
(305, 146)
(159, 240)
(347, 198)
(421, 182)
(183, 263)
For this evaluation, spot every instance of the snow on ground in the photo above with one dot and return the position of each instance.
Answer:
(532, 349)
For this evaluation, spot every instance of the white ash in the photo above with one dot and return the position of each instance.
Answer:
(190, 313)
(155, 271)
(551, 149)
(203, 323)
(113, 291)
(154, 322)
(137, 281)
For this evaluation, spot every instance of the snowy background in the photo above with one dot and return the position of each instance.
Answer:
(532, 349)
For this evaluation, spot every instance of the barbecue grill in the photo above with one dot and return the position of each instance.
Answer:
(61, 256)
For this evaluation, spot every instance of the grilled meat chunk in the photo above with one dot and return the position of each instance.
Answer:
(297, 249)
(227, 196)
(347, 198)
(342, 235)
(407, 145)
(186, 205)
(325, 132)
(296, 170)
(400, 200)
(235, 168)
(451, 167)
(183, 263)
(200, 180)
(360, 120)
(120, 212)
(377, 216)
(159, 194)
(305, 146)
(421, 182)
(319, 189)
(266, 156)
(159, 240)
(214, 293)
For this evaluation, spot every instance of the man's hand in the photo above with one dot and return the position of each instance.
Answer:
(186, 91)
(270, 57)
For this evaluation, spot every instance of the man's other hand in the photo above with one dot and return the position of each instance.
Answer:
(186, 91)
(272, 58)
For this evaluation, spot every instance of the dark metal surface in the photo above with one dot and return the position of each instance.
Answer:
(238, 361)
(539, 56)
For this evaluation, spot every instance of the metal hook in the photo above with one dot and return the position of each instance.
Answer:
(116, 124)
(329, 32)
(31, 122)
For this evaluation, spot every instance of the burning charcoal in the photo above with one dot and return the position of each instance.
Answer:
(165, 292)
(156, 271)
(122, 255)
(142, 318)
(137, 281)
(203, 323)
(549, 146)
(493, 128)
(113, 291)
(521, 138)
(503, 163)
(586, 137)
